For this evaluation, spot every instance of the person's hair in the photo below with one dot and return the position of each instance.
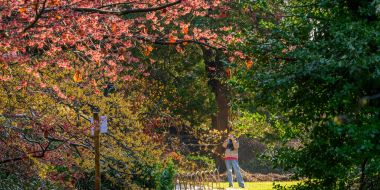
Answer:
(230, 145)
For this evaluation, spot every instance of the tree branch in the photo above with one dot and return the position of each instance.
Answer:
(125, 12)
(290, 59)
(118, 4)
(163, 42)
(302, 6)
(38, 16)
(35, 154)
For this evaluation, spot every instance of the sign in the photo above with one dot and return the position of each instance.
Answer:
(103, 125)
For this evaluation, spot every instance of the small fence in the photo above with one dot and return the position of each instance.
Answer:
(199, 180)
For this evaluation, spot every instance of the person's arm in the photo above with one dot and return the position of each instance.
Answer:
(235, 143)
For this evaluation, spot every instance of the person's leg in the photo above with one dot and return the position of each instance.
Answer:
(239, 177)
(229, 172)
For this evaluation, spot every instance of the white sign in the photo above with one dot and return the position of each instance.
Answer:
(103, 125)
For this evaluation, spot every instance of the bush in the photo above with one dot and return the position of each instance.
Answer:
(14, 182)
(155, 176)
(167, 177)
(202, 162)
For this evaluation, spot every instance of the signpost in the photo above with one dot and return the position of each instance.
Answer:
(103, 125)
(95, 111)
(99, 125)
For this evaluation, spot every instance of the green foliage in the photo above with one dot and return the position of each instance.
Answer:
(178, 85)
(202, 162)
(155, 176)
(316, 76)
(254, 125)
(13, 182)
(337, 155)
(167, 177)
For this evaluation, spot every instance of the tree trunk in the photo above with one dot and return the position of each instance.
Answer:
(362, 176)
(216, 71)
(221, 120)
(223, 107)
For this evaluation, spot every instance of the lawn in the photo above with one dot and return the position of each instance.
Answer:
(261, 185)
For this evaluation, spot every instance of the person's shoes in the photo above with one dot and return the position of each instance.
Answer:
(230, 186)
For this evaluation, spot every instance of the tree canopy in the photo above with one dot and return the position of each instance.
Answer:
(304, 71)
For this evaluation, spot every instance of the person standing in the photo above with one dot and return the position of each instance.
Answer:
(231, 145)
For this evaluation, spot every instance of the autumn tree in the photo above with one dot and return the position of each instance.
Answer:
(69, 50)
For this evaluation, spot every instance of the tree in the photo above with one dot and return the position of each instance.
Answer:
(102, 34)
(316, 75)
(67, 51)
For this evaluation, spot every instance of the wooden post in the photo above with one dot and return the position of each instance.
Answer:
(97, 148)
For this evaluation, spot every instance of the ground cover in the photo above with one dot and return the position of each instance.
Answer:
(267, 185)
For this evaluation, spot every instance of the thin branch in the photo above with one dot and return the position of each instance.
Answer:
(290, 59)
(35, 154)
(14, 115)
(66, 141)
(118, 4)
(302, 6)
(304, 16)
(163, 42)
(186, 41)
(125, 12)
(38, 16)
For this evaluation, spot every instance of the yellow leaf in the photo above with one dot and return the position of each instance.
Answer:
(249, 64)
(147, 50)
(77, 76)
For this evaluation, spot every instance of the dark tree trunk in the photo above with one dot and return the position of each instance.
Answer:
(223, 107)
(215, 72)
(362, 176)
(221, 120)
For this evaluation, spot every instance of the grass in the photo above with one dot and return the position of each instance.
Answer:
(261, 185)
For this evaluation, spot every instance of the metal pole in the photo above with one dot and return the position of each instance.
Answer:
(97, 148)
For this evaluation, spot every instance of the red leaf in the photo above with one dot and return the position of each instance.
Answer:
(185, 29)
(228, 72)
(172, 39)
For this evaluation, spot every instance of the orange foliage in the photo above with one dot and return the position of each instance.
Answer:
(228, 72)
(22, 10)
(249, 64)
(147, 50)
(77, 76)
(172, 39)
